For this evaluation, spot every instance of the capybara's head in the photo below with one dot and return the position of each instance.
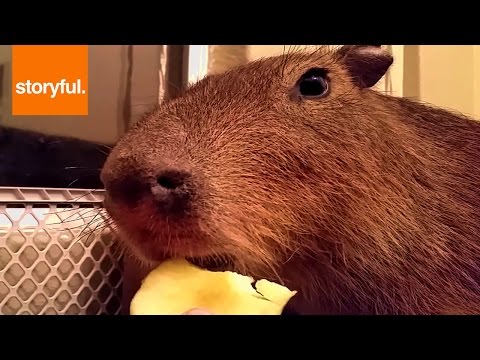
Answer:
(289, 168)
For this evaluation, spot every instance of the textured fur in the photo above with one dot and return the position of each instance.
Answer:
(364, 203)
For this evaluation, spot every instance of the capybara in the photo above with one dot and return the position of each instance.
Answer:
(292, 168)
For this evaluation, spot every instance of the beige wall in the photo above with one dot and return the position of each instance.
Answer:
(258, 51)
(444, 75)
(476, 80)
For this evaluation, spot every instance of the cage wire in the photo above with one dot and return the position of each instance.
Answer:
(56, 255)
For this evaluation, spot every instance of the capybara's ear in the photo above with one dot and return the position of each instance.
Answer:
(367, 64)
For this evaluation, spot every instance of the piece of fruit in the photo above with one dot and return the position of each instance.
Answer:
(177, 286)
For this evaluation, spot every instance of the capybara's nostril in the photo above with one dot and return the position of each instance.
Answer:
(172, 179)
(172, 191)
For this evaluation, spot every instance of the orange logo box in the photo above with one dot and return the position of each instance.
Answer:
(49, 80)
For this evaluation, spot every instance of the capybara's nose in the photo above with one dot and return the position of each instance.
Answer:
(172, 191)
(171, 180)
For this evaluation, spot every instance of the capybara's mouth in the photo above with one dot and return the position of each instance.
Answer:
(217, 263)
(212, 263)
(154, 240)
(157, 248)
(154, 247)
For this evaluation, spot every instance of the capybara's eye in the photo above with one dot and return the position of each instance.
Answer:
(313, 83)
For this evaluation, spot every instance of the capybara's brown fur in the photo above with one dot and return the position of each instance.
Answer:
(364, 203)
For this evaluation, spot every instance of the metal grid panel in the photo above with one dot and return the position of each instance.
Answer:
(53, 260)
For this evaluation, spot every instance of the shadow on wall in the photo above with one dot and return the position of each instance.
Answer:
(411, 85)
(224, 57)
(30, 159)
